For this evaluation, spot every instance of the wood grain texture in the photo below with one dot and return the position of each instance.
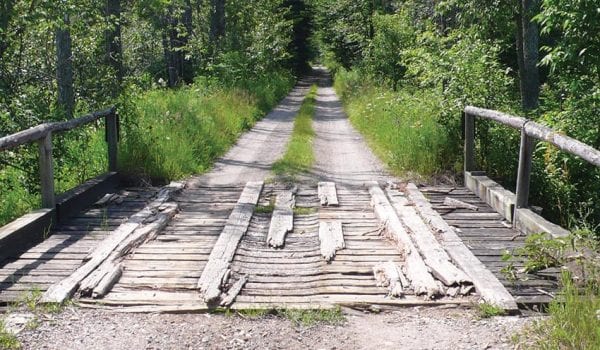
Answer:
(327, 194)
(282, 220)
(216, 271)
(331, 237)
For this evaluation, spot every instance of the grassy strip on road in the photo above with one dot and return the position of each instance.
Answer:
(299, 156)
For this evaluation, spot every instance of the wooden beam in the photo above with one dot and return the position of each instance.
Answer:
(112, 140)
(46, 171)
(64, 289)
(524, 170)
(469, 147)
(282, 220)
(216, 271)
(502, 118)
(432, 251)
(331, 237)
(488, 286)
(389, 275)
(416, 270)
(327, 194)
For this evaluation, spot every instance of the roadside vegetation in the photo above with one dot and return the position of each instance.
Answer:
(406, 69)
(187, 78)
(573, 320)
(299, 155)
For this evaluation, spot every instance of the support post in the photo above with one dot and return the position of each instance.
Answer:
(524, 172)
(112, 139)
(46, 171)
(469, 151)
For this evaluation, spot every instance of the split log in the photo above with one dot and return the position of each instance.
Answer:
(64, 289)
(282, 221)
(389, 275)
(96, 283)
(216, 272)
(327, 194)
(107, 283)
(332, 238)
(432, 251)
(416, 270)
(455, 203)
(489, 287)
(233, 291)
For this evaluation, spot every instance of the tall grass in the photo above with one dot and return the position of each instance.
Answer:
(170, 134)
(299, 155)
(401, 127)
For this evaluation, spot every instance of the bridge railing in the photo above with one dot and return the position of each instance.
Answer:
(42, 134)
(530, 131)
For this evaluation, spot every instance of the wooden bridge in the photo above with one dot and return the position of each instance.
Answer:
(322, 241)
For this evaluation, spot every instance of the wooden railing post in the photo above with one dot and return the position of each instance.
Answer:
(524, 171)
(112, 139)
(469, 151)
(46, 171)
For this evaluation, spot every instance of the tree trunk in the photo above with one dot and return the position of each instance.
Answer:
(64, 69)
(530, 79)
(187, 71)
(114, 47)
(217, 23)
(6, 12)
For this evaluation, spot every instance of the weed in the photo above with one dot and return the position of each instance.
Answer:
(312, 317)
(7, 339)
(254, 313)
(299, 155)
(264, 209)
(487, 310)
(304, 210)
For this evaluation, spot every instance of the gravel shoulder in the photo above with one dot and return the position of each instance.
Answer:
(412, 328)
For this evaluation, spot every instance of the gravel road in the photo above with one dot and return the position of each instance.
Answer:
(412, 328)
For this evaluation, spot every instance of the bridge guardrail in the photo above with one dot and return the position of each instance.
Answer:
(530, 131)
(43, 135)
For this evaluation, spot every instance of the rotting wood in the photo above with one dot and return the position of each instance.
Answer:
(233, 291)
(331, 236)
(432, 251)
(389, 275)
(96, 283)
(455, 203)
(416, 270)
(64, 289)
(488, 286)
(282, 220)
(108, 282)
(216, 270)
(327, 194)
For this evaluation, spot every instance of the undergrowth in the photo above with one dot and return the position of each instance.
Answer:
(170, 134)
(574, 314)
(300, 317)
(400, 127)
(299, 155)
(487, 310)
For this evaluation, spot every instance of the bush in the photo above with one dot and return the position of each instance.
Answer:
(170, 134)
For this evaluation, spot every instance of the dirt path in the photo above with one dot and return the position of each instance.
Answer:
(255, 152)
(414, 328)
(342, 154)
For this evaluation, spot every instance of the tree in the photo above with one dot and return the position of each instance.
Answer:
(217, 23)
(113, 42)
(64, 68)
(529, 72)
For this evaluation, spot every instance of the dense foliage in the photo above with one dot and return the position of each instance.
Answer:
(421, 62)
(61, 59)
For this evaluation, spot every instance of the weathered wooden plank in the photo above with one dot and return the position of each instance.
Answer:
(64, 289)
(488, 286)
(327, 194)
(332, 239)
(107, 273)
(282, 221)
(416, 270)
(217, 268)
(455, 203)
(431, 250)
(233, 291)
(389, 275)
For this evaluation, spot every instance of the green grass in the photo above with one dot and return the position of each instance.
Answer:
(486, 310)
(170, 134)
(305, 210)
(299, 156)
(401, 127)
(7, 339)
(311, 317)
(573, 322)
